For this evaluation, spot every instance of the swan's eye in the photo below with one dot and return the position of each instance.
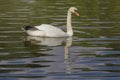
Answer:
(75, 10)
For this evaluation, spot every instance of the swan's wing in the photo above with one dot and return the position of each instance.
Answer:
(51, 31)
(47, 27)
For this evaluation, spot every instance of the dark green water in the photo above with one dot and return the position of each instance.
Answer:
(92, 54)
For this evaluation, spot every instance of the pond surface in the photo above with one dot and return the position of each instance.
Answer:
(93, 53)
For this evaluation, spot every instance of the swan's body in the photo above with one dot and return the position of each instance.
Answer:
(46, 30)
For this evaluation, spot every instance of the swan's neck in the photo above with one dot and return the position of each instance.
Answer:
(69, 26)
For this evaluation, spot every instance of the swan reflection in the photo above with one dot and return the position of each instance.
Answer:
(45, 41)
(54, 42)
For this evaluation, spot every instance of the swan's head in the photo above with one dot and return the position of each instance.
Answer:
(74, 10)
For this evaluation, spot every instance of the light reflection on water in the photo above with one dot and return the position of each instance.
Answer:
(92, 54)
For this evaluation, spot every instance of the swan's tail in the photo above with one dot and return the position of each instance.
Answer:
(25, 28)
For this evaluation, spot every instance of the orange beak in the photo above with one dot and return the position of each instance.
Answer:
(76, 13)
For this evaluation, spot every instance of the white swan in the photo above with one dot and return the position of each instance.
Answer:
(46, 30)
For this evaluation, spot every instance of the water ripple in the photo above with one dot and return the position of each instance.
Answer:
(92, 54)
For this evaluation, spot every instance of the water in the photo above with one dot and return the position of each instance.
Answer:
(92, 54)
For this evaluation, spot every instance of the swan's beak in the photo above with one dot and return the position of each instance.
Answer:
(76, 13)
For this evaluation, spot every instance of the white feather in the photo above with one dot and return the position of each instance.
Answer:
(50, 31)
